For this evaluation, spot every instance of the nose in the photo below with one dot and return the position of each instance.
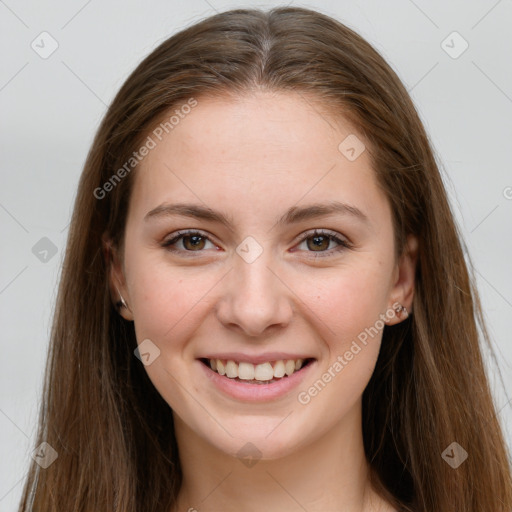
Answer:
(254, 300)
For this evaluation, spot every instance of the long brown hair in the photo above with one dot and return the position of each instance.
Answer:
(112, 430)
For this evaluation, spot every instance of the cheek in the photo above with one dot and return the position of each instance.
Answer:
(347, 300)
(169, 303)
(347, 306)
(164, 298)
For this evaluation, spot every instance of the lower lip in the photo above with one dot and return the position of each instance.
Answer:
(257, 392)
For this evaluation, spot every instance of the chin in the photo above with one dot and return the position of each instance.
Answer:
(261, 440)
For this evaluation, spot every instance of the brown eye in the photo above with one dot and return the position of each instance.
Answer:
(318, 243)
(188, 241)
(193, 242)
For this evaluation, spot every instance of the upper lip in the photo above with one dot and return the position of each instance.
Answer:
(256, 359)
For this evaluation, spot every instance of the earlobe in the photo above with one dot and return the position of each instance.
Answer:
(403, 290)
(123, 308)
(121, 303)
(115, 279)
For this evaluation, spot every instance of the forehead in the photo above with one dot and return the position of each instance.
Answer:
(277, 127)
(255, 152)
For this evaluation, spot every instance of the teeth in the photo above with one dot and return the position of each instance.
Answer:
(260, 372)
(231, 370)
(264, 372)
(289, 367)
(279, 369)
(245, 371)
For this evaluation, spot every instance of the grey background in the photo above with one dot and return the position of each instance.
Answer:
(50, 109)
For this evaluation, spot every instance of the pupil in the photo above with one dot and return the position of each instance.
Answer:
(194, 240)
(318, 240)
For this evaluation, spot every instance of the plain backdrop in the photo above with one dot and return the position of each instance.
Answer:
(51, 106)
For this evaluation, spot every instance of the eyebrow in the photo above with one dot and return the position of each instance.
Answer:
(292, 216)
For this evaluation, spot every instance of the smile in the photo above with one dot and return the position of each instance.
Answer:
(263, 373)
(261, 382)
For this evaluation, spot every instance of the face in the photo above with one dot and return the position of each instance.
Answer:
(281, 250)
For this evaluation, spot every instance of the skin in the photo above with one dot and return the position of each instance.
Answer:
(253, 157)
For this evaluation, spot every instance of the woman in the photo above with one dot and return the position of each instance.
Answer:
(203, 357)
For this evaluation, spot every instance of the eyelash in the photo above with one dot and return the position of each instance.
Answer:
(343, 244)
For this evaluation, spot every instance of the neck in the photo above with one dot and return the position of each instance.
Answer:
(330, 473)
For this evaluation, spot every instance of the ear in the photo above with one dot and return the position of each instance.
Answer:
(116, 279)
(402, 292)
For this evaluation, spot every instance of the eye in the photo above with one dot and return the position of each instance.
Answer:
(190, 241)
(320, 240)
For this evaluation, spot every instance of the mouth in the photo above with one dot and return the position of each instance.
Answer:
(264, 373)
